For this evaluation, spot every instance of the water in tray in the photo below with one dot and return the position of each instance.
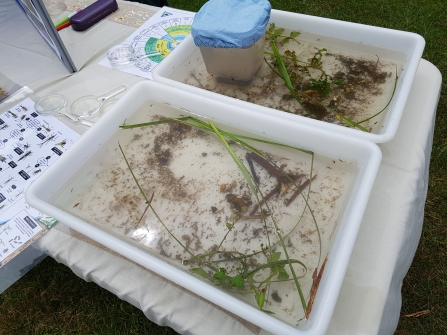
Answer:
(205, 218)
(366, 78)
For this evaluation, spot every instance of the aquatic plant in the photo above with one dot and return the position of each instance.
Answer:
(293, 72)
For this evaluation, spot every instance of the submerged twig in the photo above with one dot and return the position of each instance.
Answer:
(275, 190)
(252, 169)
(288, 183)
(299, 190)
(264, 163)
(313, 291)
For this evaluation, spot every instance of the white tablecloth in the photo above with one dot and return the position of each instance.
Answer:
(370, 299)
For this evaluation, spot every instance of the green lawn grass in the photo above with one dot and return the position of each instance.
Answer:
(50, 299)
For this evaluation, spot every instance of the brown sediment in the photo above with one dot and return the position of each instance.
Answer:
(359, 69)
(239, 203)
(318, 110)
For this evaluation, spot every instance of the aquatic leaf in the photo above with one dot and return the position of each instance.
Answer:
(284, 40)
(237, 281)
(292, 36)
(274, 257)
(260, 298)
(220, 275)
(277, 32)
(322, 86)
(282, 274)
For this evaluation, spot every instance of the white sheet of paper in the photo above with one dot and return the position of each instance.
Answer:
(160, 34)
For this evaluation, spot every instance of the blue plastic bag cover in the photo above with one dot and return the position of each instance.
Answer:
(230, 23)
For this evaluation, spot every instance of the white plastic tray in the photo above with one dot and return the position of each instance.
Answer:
(365, 155)
(401, 47)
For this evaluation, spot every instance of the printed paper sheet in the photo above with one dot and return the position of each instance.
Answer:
(156, 37)
(29, 144)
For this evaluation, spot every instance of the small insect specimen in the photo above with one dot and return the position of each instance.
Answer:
(4, 126)
(1, 207)
(28, 153)
(26, 146)
(37, 171)
(22, 117)
(13, 115)
(2, 159)
(47, 140)
(8, 180)
(48, 129)
(62, 143)
(24, 108)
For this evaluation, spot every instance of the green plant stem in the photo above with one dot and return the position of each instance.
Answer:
(285, 76)
(254, 188)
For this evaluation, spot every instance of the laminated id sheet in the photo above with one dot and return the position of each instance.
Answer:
(29, 144)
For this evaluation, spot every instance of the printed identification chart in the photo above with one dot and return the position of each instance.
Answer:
(14, 234)
(29, 144)
(155, 39)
